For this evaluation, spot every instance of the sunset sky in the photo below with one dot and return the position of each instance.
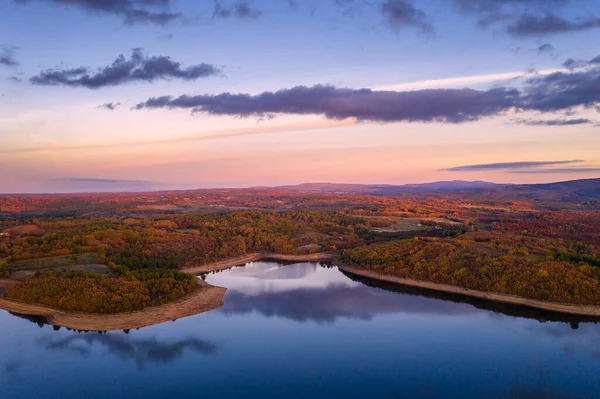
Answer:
(127, 95)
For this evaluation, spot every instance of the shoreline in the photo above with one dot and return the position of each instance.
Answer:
(206, 298)
(209, 297)
(565, 308)
(255, 257)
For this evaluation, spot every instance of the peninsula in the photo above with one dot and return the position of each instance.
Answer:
(122, 261)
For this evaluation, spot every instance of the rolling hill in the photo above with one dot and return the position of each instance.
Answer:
(574, 190)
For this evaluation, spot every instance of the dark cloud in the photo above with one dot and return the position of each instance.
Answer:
(524, 18)
(490, 12)
(7, 57)
(132, 11)
(555, 122)
(560, 91)
(240, 9)
(400, 14)
(444, 105)
(550, 23)
(486, 6)
(508, 165)
(139, 68)
(110, 106)
(574, 64)
(545, 48)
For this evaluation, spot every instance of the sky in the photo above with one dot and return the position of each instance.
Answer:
(136, 95)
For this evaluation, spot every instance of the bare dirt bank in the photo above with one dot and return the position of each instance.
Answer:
(581, 310)
(254, 257)
(206, 298)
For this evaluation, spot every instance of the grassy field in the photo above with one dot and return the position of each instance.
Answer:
(88, 262)
(187, 231)
(400, 224)
(23, 230)
(56, 262)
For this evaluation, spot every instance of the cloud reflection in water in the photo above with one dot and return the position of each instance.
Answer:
(309, 292)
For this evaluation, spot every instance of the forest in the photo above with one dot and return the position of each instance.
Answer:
(143, 254)
(139, 242)
(93, 293)
(525, 265)
(192, 239)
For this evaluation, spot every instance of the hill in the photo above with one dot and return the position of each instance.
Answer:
(386, 189)
(574, 190)
(567, 191)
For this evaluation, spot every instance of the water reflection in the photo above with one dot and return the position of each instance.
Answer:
(141, 350)
(39, 320)
(12, 367)
(506, 309)
(335, 301)
(322, 293)
(309, 331)
(533, 392)
(259, 277)
(584, 341)
(310, 292)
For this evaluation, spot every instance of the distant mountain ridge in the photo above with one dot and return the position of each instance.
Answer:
(383, 189)
(574, 190)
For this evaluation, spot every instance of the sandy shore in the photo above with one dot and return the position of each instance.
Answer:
(207, 298)
(581, 310)
(254, 257)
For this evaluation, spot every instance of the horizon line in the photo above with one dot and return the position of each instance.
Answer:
(12, 194)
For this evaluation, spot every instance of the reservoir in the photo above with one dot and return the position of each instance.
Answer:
(308, 330)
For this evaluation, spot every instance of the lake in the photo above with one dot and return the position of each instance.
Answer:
(308, 330)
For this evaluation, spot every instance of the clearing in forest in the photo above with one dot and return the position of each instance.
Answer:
(89, 262)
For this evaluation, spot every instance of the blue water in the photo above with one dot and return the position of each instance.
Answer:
(308, 331)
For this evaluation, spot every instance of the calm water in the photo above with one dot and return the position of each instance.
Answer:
(307, 331)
